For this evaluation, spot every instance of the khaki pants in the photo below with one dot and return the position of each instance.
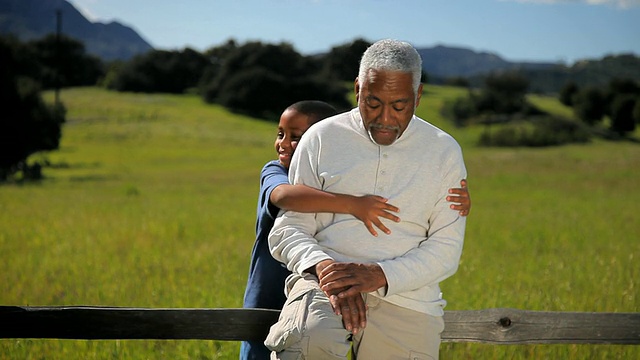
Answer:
(309, 329)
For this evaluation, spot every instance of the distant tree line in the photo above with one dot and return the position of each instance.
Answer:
(502, 101)
(584, 73)
(261, 79)
(254, 78)
(620, 101)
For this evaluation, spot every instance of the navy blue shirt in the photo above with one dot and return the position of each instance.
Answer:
(265, 286)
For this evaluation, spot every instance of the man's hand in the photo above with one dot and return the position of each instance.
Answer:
(351, 307)
(351, 279)
(344, 284)
(353, 311)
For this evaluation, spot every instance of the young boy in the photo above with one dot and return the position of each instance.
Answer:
(265, 286)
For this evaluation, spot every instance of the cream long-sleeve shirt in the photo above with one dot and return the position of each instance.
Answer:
(414, 173)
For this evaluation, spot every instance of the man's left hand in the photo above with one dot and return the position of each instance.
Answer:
(351, 279)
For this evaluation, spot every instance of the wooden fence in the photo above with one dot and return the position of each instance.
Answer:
(491, 326)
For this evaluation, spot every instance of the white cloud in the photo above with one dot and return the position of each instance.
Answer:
(623, 4)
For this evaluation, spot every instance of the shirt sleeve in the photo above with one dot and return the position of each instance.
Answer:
(272, 175)
(438, 256)
(291, 240)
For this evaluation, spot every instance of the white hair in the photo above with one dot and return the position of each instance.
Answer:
(391, 55)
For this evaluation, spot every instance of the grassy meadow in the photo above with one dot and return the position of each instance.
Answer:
(150, 202)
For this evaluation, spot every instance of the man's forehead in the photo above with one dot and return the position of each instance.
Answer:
(386, 78)
(398, 88)
(372, 97)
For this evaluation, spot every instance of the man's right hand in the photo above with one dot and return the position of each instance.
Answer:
(352, 308)
(353, 311)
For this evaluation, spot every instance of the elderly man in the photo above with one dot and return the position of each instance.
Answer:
(380, 292)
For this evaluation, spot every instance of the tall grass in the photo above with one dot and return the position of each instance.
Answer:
(150, 202)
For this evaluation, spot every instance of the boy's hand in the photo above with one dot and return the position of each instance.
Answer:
(462, 198)
(370, 208)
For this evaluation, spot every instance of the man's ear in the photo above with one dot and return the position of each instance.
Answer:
(356, 88)
(419, 95)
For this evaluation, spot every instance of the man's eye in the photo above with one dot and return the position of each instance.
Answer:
(374, 104)
(398, 108)
(280, 135)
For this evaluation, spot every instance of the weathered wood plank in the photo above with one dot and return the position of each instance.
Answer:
(83, 322)
(493, 326)
(512, 326)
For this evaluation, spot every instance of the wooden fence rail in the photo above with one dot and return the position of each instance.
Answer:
(491, 326)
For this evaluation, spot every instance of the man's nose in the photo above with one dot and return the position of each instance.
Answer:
(387, 116)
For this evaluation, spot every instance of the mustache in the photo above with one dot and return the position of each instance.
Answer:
(383, 127)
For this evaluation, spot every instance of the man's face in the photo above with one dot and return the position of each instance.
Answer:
(387, 103)
(290, 129)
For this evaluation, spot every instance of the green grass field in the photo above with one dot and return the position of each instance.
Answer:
(150, 202)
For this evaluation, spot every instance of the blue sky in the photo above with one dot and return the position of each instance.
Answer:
(517, 30)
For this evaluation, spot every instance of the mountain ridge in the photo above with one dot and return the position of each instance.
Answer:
(33, 19)
(448, 61)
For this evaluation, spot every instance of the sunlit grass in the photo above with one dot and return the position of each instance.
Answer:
(150, 202)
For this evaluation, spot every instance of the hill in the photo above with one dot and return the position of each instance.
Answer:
(443, 61)
(584, 73)
(33, 19)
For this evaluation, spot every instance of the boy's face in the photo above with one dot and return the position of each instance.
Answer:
(290, 129)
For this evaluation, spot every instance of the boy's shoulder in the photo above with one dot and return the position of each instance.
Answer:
(273, 166)
(272, 163)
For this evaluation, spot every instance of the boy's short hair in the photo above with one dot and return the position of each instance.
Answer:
(316, 110)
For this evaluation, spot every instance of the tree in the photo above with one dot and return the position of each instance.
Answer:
(460, 110)
(342, 62)
(216, 56)
(567, 93)
(620, 87)
(636, 111)
(589, 105)
(624, 86)
(64, 62)
(622, 120)
(502, 99)
(262, 79)
(28, 125)
(248, 91)
(504, 93)
(160, 71)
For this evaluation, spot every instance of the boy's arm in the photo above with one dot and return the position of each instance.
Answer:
(305, 199)
(367, 208)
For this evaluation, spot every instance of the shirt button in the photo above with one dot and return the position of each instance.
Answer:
(385, 155)
(382, 172)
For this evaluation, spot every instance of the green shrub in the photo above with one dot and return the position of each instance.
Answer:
(536, 132)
